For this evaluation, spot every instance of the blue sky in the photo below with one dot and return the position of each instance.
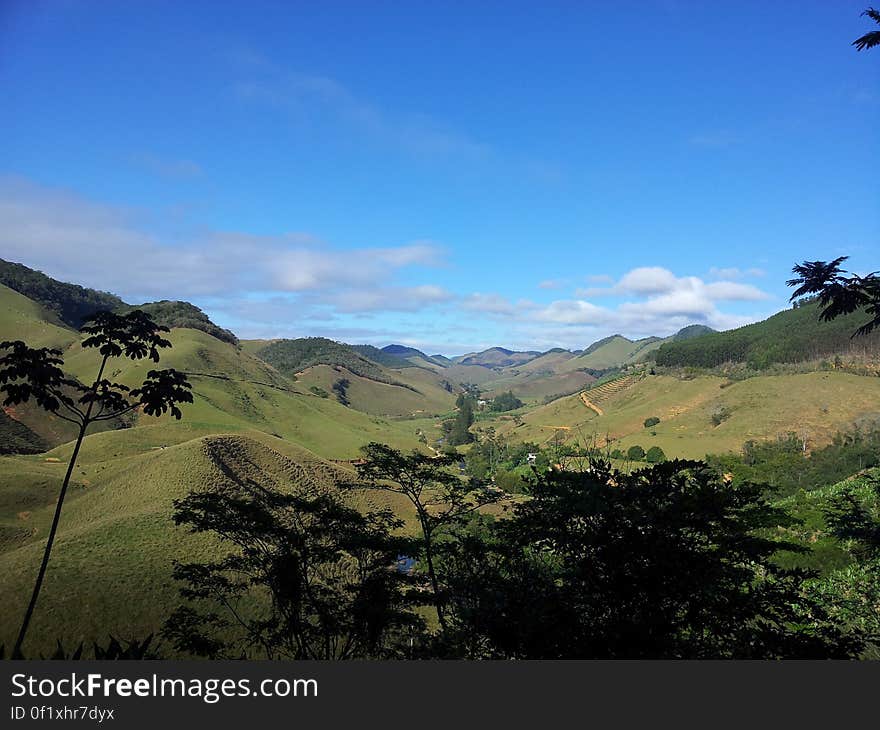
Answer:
(447, 175)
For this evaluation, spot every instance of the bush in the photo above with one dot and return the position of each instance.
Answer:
(655, 455)
(652, 421)
(617, 454)
(635, 453)
(721, 415)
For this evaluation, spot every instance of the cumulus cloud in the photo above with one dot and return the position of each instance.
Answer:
(495, 304)
(656, 301)
(733, 272)
(103, 246)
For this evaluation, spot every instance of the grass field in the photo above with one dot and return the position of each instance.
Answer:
(815, 405)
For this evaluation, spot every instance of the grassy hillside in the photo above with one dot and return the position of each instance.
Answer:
(372, 396)
(793, 335)
(236, 391)
(607, 353)
(23, 318)
(816, 405)
(290, 357)
(111, 567)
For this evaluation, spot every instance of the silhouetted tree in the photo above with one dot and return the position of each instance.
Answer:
(668, 561)
(27, 373)
(441, 499)
(310, 578)
(872, 38)
(838, 294)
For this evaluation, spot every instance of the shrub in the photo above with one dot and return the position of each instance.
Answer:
(655, 455)
(635, 453)
(652, 421)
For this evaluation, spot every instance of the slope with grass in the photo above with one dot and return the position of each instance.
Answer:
(378, 398)
(111, 567)
(235, 391)
(816, 405)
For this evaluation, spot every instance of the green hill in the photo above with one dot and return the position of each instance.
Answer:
(709, 414)
(293, 356)
(793, 335)
(182, 314)
(111, 569)
(70, 302)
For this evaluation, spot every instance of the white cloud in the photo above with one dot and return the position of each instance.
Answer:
(496, 304)
(101, 246)
(732, 272)
(656, 302)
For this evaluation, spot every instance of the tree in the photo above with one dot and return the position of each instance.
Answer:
(459, 428)
(839, 294)
(872, 38)
(27, 373)
(666, 562)
(506, 402)
(340, 387)
(441, 499)
(635, 453)
(309, 577)
(655, 455)
(652, 421)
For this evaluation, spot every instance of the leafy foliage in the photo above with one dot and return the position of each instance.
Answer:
(635, 453)
(441, 499)
(782, 463)
(664, 562)
(871, 38)
(506, 402)
(324, 568)
(36, 373)
(839, 295)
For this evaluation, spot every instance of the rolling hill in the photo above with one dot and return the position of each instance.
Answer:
(793, 335)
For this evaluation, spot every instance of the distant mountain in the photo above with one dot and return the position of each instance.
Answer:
(793, 335)
(404, 351)
(498, 357)
(617, 350)
(416, 357)
(693, 330)
(382, 357)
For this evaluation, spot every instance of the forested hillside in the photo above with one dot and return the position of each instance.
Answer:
(72, 303)
(793, 335)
